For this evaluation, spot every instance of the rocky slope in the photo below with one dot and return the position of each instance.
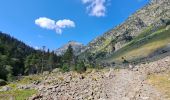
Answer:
(122, 84)
(130, 83)
(106, 84)
(77, 48)
(152, 15)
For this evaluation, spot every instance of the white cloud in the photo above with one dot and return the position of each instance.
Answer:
(54, 25)
(96, 7)
(64, 24)
(45, 23)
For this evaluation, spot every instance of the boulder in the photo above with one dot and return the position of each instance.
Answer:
(56, 70)
(6, 88)
(168, 27)
(46, 73)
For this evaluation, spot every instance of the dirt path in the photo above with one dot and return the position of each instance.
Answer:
(122, 85)
(131, 85)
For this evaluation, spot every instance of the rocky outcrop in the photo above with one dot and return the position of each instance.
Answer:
(77, 48)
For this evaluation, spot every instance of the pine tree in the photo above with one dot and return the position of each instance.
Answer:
(68, 57)
(80, 67)
(51, 62)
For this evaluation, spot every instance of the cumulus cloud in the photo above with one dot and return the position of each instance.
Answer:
(96, 7)
(45, 23)
(60, 24)
(54, 25)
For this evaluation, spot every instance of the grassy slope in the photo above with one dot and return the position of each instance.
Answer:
(16, 94)
(161, 82)
(143, 45)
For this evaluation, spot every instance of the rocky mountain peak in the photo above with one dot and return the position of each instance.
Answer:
(77, 48)
(158, 1)
(72, 43)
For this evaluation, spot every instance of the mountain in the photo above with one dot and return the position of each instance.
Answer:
(8, 43)
(143, 33)
(17, 58)
(77, 48)
(12, 55)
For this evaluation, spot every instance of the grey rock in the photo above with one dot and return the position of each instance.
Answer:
(56, 70)
(46, 73)
(6, 88)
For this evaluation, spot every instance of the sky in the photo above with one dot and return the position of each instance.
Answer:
(53, 23)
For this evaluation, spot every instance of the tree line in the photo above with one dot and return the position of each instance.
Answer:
(17, 58)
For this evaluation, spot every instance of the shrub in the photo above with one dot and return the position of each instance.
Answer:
(6, 72)
(2, 82)
(80, 67)
(65, 68)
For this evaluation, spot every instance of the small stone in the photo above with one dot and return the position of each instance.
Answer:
(81, 77)
(36, 82)
(145, 98)
(56, 70)
(35, 97)
(46, 73)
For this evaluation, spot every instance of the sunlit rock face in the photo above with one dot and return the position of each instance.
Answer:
(77, 48)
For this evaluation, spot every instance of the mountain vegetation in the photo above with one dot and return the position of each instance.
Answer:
(17, 58)
(12, 56)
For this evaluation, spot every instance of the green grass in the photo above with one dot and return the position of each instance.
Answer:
(143, 45)
(161, 82)
(105, 44)
(17, 94)
(30, 79)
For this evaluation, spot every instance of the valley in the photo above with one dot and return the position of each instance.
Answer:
(129, 62)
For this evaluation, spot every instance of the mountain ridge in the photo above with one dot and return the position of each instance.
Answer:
(111, 41)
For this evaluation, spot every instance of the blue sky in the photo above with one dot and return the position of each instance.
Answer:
(78, 20)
